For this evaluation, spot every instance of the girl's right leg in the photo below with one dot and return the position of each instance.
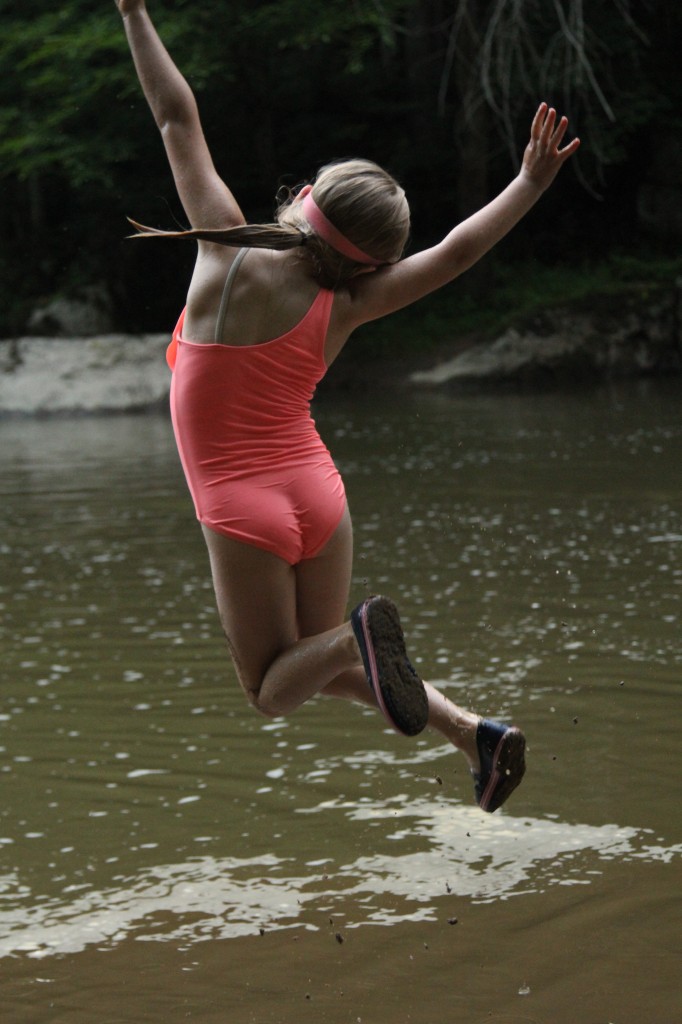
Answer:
(288, 638)
(259, 604)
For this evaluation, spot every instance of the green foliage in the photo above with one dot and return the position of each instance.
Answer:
(69, 66)
(519, 291)
(284, 86)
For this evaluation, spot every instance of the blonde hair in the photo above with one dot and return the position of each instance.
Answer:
(366, 204)
(362, 201)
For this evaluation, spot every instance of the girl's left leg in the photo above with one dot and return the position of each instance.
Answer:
(455, 724)
(321, 606)
(290, 640)
(494, 752)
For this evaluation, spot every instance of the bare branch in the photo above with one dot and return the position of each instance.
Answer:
(577, 42)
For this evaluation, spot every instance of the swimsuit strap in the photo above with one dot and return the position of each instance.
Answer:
(222, 312)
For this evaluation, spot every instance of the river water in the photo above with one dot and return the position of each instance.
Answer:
(168, 855)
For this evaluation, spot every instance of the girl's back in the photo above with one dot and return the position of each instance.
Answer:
(270, 294)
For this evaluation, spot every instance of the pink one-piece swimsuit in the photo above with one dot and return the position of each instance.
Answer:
(254, 461)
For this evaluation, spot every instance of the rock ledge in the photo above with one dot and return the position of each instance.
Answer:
(630, 336)
(108, 373)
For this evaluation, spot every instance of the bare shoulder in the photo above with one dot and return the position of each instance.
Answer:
(269, 295)
(210, 270)
(205, 290)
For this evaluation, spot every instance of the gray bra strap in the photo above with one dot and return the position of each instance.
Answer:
(222, 312)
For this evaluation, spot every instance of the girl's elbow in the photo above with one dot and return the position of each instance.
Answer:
(171, 119)
(176, 111)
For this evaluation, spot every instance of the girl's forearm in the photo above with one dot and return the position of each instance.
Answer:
(480, 232)
(166, 91)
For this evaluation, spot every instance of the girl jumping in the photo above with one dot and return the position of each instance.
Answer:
(268, 310)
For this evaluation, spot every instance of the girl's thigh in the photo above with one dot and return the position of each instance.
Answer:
(266, 605)
(256, 597)
(323, 583)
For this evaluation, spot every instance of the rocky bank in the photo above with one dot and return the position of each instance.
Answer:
(636, 333)
(105, 373)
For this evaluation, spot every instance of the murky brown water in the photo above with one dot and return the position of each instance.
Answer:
(167, 855)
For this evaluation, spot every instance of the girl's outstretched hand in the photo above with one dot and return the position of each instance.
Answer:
(543, 159)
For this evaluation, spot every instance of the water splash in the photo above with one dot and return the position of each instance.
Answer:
(463, 855)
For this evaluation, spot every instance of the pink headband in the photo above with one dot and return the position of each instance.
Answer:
(332, 236)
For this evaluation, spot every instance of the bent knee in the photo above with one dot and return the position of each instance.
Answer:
(259, 705)
(267, 704)
(261, 695)
(251, 684)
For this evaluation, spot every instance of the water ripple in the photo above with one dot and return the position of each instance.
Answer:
(464, 856)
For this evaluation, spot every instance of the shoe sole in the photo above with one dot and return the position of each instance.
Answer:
(398, 689)
(509, 767)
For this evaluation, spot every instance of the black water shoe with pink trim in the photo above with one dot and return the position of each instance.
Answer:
(501, 751)
(398, 689)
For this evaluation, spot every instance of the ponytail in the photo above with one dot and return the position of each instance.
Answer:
(253, 236)
(331, 269)
(358, 199)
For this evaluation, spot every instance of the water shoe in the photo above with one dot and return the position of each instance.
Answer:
(398, 689)
(501, 750)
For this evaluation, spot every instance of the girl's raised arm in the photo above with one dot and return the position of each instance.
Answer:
(205, 197)
(375, 295)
